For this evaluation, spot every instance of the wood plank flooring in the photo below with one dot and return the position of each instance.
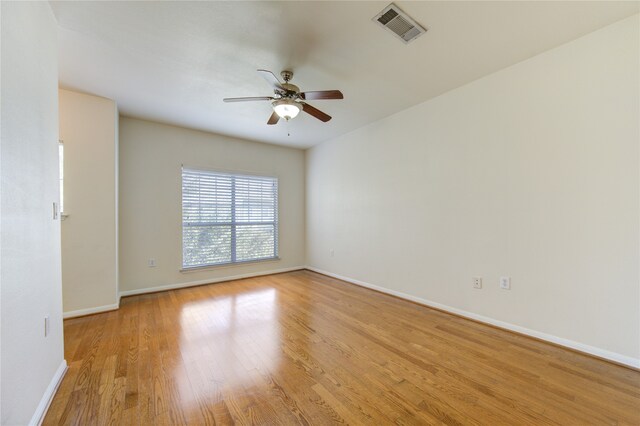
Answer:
(302, 348)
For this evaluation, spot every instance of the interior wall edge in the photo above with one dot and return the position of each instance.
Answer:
(48, 395)
(577, 346)
(89, 129)
(30, 290)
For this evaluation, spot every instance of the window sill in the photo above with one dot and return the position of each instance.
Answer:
(228, 264)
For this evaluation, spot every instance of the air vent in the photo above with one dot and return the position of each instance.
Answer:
(399, 23)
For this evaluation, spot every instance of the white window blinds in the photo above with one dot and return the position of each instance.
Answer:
(228, 218)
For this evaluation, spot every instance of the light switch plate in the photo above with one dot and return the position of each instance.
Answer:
(505, 283)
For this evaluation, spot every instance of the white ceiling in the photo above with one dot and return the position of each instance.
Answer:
(174, 61)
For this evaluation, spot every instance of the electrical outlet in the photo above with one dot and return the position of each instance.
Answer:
(46, 326)
(151, 263)
(505, 283)
(477, 282)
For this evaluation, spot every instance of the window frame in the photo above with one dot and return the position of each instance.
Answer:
(233, 174)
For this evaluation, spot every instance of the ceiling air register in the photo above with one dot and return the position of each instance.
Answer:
(399, 23)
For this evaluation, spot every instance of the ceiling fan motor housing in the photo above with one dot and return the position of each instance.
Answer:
(291, 89)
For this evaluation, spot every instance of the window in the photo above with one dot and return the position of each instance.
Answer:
(228, 218)
(61, 167)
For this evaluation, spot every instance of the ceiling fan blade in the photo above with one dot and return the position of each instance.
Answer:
(273, 119)
(316, 113)
(249, 99)
(272, 79)
(321, 94)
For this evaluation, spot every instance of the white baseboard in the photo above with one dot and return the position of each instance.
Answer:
(592, 350)
(49, 393)
(207, 281)
(89, 311)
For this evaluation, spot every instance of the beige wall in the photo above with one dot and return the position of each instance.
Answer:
(31, 363)
(531, 172)
(88, 127)
(151, 156)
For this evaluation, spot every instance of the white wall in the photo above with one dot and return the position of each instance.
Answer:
(531, 172)
(30, 238)
(89, 129)
(151, 156)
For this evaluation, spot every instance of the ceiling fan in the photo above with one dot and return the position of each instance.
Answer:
(288, 100)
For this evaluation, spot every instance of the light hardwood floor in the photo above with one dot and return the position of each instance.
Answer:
(302, 348)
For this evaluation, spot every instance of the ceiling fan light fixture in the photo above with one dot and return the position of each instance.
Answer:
(286, 108)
